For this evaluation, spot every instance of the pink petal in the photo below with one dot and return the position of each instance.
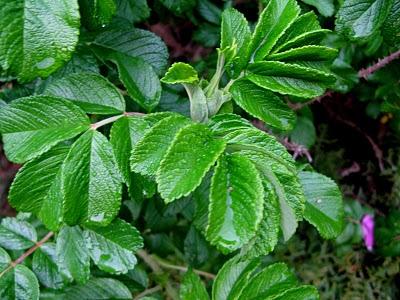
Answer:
(367, 227)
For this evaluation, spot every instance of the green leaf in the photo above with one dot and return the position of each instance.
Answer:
(192, 153)
(274, 20)
(134, 11)
(180, 73)
(324, 7)
(98, 288)
(289, 79)
(303, 292)
(304, 132)
(390, 28)
(263, 104)
(222, 124)
(298, 31)
(236, 203)
(179, 6)
(150, 150)
(228, 275)
(91, 181)
(97, 13)
(17, 283)
(277, 168)
(196, 247)
(36, 187)
(192, 287)
(17, 234)
(140, 80)
(91, 92)
(37, 37)
(267, 234)
(360, 19)
(135, 43)
(32, 125)
(209, 11)
(307, 53)
(270, 282)
(44, 265)
(324, 204)
(112, 247)
(72, 254)
(124, 136)
(235, 33)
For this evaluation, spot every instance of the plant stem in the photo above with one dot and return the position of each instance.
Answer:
(364, 73)
(153, 264)
(97, 125)
(168, 265)
(27, 253)
(148, 292)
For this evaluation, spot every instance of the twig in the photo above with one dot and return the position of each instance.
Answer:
(148, 292)
(27, 253)
(364, 73)
(97, 125)
(167, 265)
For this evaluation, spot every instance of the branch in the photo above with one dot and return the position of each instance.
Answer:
(148, 292)
(364, 73)
(20, 259)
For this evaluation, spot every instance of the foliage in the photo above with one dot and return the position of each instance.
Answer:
(118, 162)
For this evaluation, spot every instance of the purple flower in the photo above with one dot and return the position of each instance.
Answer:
(367, 227)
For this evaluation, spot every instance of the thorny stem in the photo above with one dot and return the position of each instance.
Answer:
(97, 125)
(20, 259)
(364, 73)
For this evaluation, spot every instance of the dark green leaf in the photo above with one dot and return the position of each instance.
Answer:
(209, 11)
(112, 247)
(136, 43)
(192, 153)
(325, 7)
(37, 37)
(97, 13)
(390, 28)
(133, 10)
(179, 6)
(263, 104)
(91, 181)
(32, 125)
(16, 234)
(192, 287)
(140, 80)
(236, 203)
(324, 204)
(98, 288)
(92, 92)
(72, 254)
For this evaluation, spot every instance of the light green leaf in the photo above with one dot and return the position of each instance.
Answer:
(98, 288)
(37, 37)
(124, 136)
(325, 7)
(133, 10)
(274, 20)
(17, 283)
(140, 80)
(359, 19)
(192, 287)
(229, 274)
(97, 13)
(390, 28)
(180, 73)
(44, 265)
(307, 53)
(289, 79)
(298, 31)
(235, 33)
(72, 254)
(91, 181)
(199, 106)
(302, 292)
(192, 153)
(263, 104)
(267, 234)
(324, 204)
(33, 185)
(91, 92)
(135, 43)
(112, 247)
(17, 234)
(269, 282)
(236, 203)
(32, 125)
(150, 150)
